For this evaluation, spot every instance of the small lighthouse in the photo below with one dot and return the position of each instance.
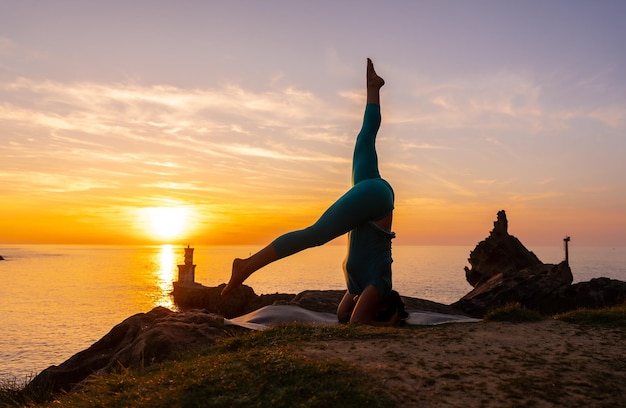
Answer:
(566, 241)
(187, 271)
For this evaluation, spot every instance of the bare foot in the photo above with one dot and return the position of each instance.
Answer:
(237, 277)
(373, 80)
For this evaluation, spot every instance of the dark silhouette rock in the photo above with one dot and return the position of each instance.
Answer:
(424, 305)
(537, 287)
(596, 293)
(318, 300)
(499, 253)
(243, 300)
(240, 301)
(328, 300)
(196, 296)
(1, 258)
(142, 339)
(504, 271)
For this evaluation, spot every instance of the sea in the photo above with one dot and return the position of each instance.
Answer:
(58, 300)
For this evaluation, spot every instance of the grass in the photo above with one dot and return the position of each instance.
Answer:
(258, 369)
(262, 369)
(611, 316)
(513, 312)
(265, 377)
(12, 393)
(16, 393)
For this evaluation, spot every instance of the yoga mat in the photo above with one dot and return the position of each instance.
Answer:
(269, 316)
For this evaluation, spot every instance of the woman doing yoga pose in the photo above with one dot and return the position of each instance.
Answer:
(364, 212)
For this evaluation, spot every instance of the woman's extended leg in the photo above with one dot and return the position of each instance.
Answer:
(243, 268)
(365, 159)
(366, 201)
(360, 204)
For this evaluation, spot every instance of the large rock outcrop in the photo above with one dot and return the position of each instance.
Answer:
(503, 271)
(596, 293)
(142, 339)
(538, 287)
(499, 253)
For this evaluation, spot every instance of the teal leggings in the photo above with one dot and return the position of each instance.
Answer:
(370, 198)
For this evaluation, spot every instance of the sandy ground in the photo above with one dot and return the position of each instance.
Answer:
(492, 364)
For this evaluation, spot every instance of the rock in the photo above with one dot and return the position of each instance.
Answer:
(1, 258)
(325, 301)
(243, 300)
(596, 293)
(328, 300)
(429, 306)
(240, 301)
(504, 271)
(538, 287)
(142, 339)
(499, 253)
(196, 296)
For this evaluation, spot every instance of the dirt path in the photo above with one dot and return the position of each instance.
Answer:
(491, 364)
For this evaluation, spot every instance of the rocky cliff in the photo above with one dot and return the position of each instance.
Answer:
(503, 271)
(142, 339)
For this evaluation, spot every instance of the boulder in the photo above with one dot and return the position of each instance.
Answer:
(538, 287)
(596, 293)
(499, 253)
(504, 271)
(240, 301)
(325, 301)
(140, 340)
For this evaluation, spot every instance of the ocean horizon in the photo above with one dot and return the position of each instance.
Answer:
(57, 300)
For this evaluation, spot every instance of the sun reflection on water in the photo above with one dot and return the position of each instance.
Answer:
(165, 276)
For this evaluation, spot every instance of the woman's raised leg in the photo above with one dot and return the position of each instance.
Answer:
(365, 159)
(346, 213)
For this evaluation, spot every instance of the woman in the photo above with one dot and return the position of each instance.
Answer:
(364, 212)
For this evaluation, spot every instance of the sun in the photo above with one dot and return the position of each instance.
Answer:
(166, 222)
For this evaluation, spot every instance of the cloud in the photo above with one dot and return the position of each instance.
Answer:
(505, 102)
(613, 117)
(495, 102)
(60, 139)
(422, 146)
(36, 182)
(111, 115)
(9, 49)
(127, 145)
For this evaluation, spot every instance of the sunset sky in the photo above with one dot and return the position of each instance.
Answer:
(240, 117)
